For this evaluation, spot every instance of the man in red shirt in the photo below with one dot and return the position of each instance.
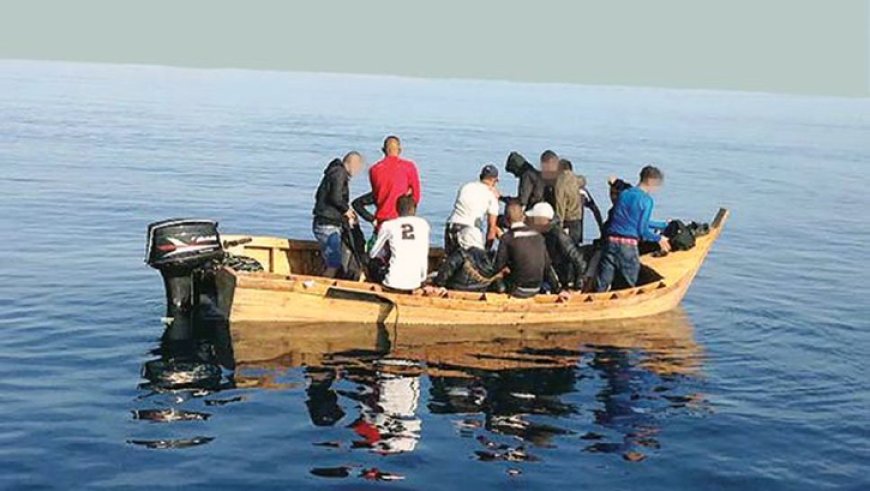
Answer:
(391, 178)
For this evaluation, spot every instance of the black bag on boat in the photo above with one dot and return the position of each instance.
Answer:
(699, 229)
(679, 235)
(354, 239)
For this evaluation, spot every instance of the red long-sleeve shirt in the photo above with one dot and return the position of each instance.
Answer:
(391, 178)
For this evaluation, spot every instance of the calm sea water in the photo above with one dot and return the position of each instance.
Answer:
(760, 382)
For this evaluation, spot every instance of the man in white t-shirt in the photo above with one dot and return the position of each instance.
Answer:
(408, 239)
(474, 201)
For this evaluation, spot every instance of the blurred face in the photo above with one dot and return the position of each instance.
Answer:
(491, 182)
(653, 185)
(539, 221)
(551, 165)
(355, 164)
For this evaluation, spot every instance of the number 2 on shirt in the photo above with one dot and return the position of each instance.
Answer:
(407, 231)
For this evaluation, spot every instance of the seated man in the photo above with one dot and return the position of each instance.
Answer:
(474, 200)
(524, 252)
(566, 257)
(629, 223)
(467, 268)
(408, 239)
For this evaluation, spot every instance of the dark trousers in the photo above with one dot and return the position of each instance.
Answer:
(618, 258)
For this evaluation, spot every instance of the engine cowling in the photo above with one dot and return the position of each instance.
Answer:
(176, 248)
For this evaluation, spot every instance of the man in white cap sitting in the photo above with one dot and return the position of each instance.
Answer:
(565, 256)
(523, 251)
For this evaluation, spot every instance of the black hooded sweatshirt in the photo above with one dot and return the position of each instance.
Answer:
(531, 187)
(333, 195)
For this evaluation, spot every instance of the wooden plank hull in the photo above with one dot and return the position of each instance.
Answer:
(290, 291)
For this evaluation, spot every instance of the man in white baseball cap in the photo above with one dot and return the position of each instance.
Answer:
(566, 257)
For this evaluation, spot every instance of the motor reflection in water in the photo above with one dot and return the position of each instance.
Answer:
(194, 361)
(515, 392)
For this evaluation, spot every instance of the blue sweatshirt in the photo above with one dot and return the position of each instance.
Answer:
(631, 216)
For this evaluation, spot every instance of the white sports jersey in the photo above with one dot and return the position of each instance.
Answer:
(408, 238)
(473, 201)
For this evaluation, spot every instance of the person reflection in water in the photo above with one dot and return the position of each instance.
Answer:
(507, 398)
(322, 403)
(388, 421)
(388, 404)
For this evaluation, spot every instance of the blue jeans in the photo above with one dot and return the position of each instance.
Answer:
(622, 258)
(329, 238)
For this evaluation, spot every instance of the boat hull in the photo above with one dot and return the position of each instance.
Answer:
(281, 295)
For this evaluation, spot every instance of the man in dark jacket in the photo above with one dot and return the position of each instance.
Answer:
(566, 257)
(530, 189)
(467, 268)
(572, 199)
(332, 210)
(523, 251)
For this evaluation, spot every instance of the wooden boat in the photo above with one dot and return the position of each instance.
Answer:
(290, 290)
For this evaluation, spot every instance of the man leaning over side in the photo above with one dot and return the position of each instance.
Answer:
(629, 223)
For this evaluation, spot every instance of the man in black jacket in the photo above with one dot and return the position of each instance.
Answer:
(467, 268)
(566, 257)
(332, 210)
(523, 251)
(530, 189)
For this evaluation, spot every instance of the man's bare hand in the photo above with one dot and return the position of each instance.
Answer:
(351, 216)
(665, 244)
(434, 291)
(564, 296)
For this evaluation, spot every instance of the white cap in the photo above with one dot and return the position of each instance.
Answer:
(541, 210)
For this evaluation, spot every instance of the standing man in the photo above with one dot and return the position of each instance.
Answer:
(569, 200)
(408, 253)
(530, 189)
(629, 224)
(475, 200)
(391, 178)
(332, 209)
(550, 170)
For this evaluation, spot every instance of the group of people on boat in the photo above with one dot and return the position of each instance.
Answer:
(539, 235)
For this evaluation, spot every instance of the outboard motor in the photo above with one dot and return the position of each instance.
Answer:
(177, 248)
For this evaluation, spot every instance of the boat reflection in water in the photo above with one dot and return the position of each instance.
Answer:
(514, 393)
(606, 386)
